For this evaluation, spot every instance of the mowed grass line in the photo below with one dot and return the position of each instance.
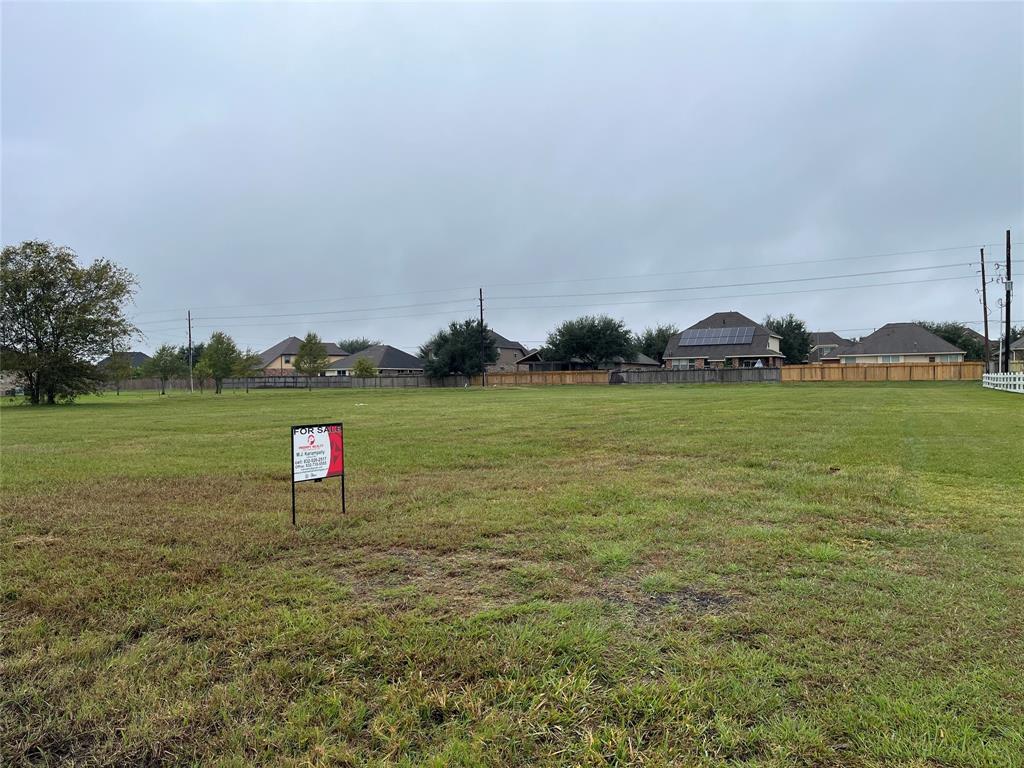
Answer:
(752, 575)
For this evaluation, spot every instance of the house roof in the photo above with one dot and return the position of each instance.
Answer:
(383, 357)
(758, 346)
(502, 343)
(136, 359)
(824, 344)
(899, 339)
(290, 346)
(819, 338)
(974, 335)
(1018, 344)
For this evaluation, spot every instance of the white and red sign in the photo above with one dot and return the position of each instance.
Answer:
(318, 451)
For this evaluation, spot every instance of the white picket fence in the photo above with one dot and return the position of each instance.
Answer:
(1007, 382)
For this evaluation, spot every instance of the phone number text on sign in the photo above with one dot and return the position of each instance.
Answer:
(317, 452)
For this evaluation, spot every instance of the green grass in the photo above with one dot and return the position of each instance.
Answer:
(753, 575)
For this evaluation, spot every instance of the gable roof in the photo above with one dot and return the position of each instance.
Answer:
(290, 346)
(1018, 344)
(974, 334)
(383, 357)
(135, 358)
(899, 339)
(758, 346)
(502, 343)
(819, 338)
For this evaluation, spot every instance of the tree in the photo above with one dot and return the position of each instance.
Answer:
(250, 364)
(220, 359)
(960, 336)
(118, 368)
(165, 365)
(596, 340)
(796, 341)
(357, 344)
(312, 358)
(203, 374)
(364, 368)
(197, 353)
(458, 349)
(56, 317)
(652, 341)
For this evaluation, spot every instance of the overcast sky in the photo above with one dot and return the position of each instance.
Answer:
(355, 160)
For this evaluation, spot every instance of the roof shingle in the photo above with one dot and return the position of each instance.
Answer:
(758, 346)
(899, 339)
(383, 357)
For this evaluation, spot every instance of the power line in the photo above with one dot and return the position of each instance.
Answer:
(705, 270)
(347, 319)
(736, 267)
(737, 296)
(731, 285)
(334, 311)
(576, 295)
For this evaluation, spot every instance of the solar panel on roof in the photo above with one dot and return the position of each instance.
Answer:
(700, 337)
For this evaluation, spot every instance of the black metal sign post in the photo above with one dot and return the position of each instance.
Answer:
(316, 452)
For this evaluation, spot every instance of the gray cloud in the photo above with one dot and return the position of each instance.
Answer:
(255, 154)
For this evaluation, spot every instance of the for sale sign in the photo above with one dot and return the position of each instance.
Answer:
(318, 451)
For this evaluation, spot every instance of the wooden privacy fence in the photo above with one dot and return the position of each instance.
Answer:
(300, 382)
(699, 376)
(968, 371)
(345, 382)
(527, 378)
(1006, 382)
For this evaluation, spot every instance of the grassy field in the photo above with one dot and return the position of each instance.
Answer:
(761, 576)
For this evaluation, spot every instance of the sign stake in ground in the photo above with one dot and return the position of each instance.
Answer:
(318, 451)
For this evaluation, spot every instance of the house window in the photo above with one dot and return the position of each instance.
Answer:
(287, 360)
(849, 360)
(891, 358)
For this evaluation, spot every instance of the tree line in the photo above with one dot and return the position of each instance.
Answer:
(57, 317)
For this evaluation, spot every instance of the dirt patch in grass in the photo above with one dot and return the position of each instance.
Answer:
(647, 607)
(461, 582)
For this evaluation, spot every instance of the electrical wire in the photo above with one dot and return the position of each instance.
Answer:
(489, 285)
(729, 285)
(733, 296)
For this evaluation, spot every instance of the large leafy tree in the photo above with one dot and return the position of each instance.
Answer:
(596, 340)
(459, 349)
(796, 340)
(118, 368)
(56, 317)
(165, 365)
(197, 353)
(357, 344)
(959, 336)
(221, 359)
(652, 341)
(312, 359)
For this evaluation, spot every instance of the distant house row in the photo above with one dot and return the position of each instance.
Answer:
(388, 360)
(732, 339)
(723, 339)
(892, 343)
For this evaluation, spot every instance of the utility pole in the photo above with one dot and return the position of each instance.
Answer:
(483, 343)
(1009, 295)
(984, 309)
(190, 389)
